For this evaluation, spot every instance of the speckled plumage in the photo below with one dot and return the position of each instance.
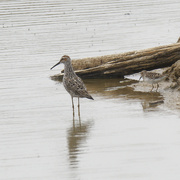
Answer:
(72, 83)
(152, 78)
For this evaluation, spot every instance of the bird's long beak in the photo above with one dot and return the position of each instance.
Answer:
(56, 65)
(140, 78)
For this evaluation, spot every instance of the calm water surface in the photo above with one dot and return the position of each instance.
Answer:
(119, 137)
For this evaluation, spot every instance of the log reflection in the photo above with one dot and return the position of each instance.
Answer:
(124, 88)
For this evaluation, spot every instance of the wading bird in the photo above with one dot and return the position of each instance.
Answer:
(72, 83)
(152, 78)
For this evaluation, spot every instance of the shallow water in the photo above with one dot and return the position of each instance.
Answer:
(119, 136)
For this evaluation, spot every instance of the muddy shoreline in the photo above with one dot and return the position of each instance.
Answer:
(169, 88)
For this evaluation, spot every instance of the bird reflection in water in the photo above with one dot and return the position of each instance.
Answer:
(151, 105)
(76, 137)
(151, 100)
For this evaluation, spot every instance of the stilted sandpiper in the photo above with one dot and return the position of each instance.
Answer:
(72, 83)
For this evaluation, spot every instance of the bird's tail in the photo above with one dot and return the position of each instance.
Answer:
(90, 97)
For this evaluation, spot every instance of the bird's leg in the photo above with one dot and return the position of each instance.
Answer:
(79, 112)
(157, 86)
(74, 124)
(152, 87)
(78, 107)
(72, 105)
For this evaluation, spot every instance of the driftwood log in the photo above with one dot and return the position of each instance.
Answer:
(118, 65)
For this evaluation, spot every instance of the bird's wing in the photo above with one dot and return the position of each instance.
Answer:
(157, 75)
(154, 75)
(76, 86)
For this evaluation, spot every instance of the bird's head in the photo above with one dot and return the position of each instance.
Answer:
(143, 73)
(64, 59)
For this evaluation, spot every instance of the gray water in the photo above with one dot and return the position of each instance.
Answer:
(118, 137)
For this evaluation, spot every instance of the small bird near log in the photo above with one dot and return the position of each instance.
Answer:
(152, 78)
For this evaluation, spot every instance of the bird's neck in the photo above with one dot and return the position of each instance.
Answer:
(68, 69)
